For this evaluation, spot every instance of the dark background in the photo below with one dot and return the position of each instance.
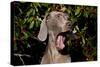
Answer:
(26, 18)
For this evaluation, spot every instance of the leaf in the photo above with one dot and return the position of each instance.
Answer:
(45, 4)
(74, 31)
(77, 28)
(68, 11)
(48, 9)
(29, 12)
(15, 46)
(36, 24)
(16, 34)
(25, 20)
(19, 10)
(39, 18)
(77, 11)
(33, 12)
(86, 14)
(25, 34)
(38, 4)
(63, 9)
(28, 45)
(35, 7)
(30, 19)
(31, 25)
(73, 19)
(79, 14)
(83, 41)
(84, 28)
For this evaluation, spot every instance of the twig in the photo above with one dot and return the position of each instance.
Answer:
(22, 55)
(22, 60)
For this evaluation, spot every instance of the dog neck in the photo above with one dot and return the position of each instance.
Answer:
(52, 44)
(51, 50)
(52, 54)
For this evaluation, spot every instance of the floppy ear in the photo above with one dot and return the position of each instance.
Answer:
(43, 30)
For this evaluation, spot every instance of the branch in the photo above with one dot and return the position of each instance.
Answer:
(20, 55)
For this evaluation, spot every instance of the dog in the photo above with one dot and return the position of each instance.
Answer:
(55, 25)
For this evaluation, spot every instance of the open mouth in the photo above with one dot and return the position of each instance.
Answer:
(60, 40)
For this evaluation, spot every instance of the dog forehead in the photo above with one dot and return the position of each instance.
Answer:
(55, 13)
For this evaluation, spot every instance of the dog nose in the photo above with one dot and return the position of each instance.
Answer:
(68, 23)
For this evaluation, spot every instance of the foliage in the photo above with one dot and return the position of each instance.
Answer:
(28, 17)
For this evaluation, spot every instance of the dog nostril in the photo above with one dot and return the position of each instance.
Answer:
(68, 23)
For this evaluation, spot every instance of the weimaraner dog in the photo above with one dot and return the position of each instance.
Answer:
(55, 25)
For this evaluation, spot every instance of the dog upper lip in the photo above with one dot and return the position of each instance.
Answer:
(62, 34)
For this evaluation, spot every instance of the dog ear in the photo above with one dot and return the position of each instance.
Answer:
(43, 30)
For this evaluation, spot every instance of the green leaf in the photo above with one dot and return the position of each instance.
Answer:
(38, 18)
(45, 4)
(84, 28)
(77, 11)
(77, 28)
(33, 12)
(15, 46)
(83, 41)
(16, 34)
(30, 19)
(31, 25)
(73, 19)
(25, 34)
(79, 14)
(69, 12)
(19, 10)
(25, 20)
(74, 31)
(29, 12)
(86, 14)
(63, 9)
(35, 6)
(28, 45)
(36, 24)
(38, 4)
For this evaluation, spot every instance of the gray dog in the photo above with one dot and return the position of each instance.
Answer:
(55, 25)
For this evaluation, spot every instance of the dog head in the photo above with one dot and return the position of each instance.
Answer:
(59, 24)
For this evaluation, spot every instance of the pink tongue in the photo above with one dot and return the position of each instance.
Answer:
(59, 42)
